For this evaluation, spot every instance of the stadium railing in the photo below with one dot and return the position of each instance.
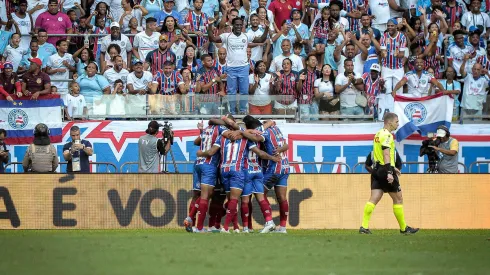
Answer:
(479, 164)
(409, 166)
(97, 166)
(186, 167)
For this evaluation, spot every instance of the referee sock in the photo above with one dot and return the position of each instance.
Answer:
(400, 216)
(245, 213)
(203, 209)
(368, 211)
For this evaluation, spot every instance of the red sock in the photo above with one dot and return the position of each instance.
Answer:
(203, 209)
(193, 210)
(220, 214)
(283, 213)
(213, 212)
(245, 214)
(265, 208)
(250, 225)
(230, 212)
(235, 220)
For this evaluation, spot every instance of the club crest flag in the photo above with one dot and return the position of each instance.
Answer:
(21, 116)
(422, 114)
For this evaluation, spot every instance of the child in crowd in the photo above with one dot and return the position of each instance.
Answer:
(75, 105)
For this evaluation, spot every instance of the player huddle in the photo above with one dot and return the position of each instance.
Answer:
(235, 162)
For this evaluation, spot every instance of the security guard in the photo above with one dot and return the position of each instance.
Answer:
(384, 177)
(41, 156)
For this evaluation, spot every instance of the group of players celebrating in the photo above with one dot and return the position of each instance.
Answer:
(235, 161)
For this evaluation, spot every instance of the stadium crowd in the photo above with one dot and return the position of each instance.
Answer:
(319, 57)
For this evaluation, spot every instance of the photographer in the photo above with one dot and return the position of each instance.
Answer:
(151, 148)
(447, 150)
(41, 156)
(77, 152)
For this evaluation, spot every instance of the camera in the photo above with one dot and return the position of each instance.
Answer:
(431, 153)
(167, 134)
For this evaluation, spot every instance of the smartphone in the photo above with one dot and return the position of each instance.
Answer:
(178, 32)
(288, 22)
(399, 20)
(86, 42)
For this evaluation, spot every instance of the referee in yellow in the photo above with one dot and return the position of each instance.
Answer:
(384, 177)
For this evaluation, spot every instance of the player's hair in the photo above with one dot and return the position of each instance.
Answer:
(388, 117)
(251, 122)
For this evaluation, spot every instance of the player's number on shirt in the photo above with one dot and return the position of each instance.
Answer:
(207, 142)
(232, 153)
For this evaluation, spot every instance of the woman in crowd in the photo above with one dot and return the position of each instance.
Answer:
(188, 99)
(260, 87)
(113, 50)
(417, 36)
(93, 85)
(134, 29)
(152, 6)
(286, 90)
(82, 58)
(262, 13)
(324, 91)
(131, 11)
(451, 86)
(102, 11)
(243, 8)
(189, 60)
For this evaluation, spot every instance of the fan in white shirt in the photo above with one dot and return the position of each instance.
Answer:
(59, 66)
(276, 64)
(147, 40)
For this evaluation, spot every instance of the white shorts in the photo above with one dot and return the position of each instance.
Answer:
(278, 105)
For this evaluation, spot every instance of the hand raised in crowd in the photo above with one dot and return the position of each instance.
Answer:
(137, 7)
(19, 94)
(95, 13)
(35, 96)
(200, 125)
(466, 57)
(211, 20)
(256, 79)
(421, 10)
(302, 76)
(9, 98)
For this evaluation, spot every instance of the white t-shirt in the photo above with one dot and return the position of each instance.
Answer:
(324, 86)
(270, 17)
(32, 3)
(470, 19)
(236, 48)
(474, 92)
(14, 55)
(393, 13)
(124, 44)
(140, 83)
(348, 96)
(145, 43)
(178, 50)
(417, 87)
(134, 13)
(68, 4)
(257, 52)
(112, 76)
(381, 10)
(358, 64)
(75, 104)
(25, 28)
(276, 64)
(261, 95)
(56, 62)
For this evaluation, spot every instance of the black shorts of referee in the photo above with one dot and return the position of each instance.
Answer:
(379, 180)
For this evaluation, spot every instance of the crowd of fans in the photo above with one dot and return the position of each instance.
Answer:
(320, 57)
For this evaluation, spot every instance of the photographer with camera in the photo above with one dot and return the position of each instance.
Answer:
(41, 155)
(447, 150)
(77, 152)
(151, 148)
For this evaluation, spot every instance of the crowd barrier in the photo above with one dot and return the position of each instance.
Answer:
(116, 201)
(94, 166)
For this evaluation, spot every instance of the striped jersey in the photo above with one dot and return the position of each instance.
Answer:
(350, 5)
(208, 138)
(455, 13)
(391, 45)
(288, 87)
(371, 88)
(306, 94)
(168, 84)
(220, 67)
(233, 153)
(211, 95)
(484, 61)
(156, 59)
(321, 28)
(274, 139)
(198, 23)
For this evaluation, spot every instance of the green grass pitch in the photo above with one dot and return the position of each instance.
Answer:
(166, 251)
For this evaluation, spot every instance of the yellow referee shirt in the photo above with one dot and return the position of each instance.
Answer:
(383, 139)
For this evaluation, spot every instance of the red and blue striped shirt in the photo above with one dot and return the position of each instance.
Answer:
(198, 23)
(156, 59)
(274, 139)
(208, 139)
(233, 153)
(288, 87)
(168, 84)
(391, 45)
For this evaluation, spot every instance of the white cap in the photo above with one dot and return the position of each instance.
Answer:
(115, 24)
(441, 133)
(375, 67)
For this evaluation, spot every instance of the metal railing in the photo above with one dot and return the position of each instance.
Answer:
(408, 166)
(478, 165)
(184, 167)
(109, 167)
